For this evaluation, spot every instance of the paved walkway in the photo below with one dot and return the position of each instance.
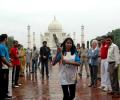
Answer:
(35, 88)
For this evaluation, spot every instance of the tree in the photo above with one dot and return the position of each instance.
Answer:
(10, 42)
(116, 36)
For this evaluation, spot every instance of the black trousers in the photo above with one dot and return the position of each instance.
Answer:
(69, 91)
(93, 73)
(4, 79)
(44, 64)
(15, 74)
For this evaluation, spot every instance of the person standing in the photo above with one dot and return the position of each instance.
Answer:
(93, 63)
(84, 60)
(68, 69)
(113, 61)
(44, 54)
(22, 60)
(15, 59)
(4, 67)
(105, 79)
(35, 55)
(28, 59)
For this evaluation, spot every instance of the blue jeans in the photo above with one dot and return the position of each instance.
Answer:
(34, 65)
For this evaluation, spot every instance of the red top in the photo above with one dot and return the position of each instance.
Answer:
(104, 50)
(14, 56)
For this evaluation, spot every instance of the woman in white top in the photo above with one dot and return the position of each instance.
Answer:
(68, 69)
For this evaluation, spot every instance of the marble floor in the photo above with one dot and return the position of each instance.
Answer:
(35, 88)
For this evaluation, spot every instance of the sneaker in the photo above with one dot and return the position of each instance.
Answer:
(90, 85)
(16, 86)
(19, 84)
(109, 89)
(105, 89)
(101, 87)
(8, 97)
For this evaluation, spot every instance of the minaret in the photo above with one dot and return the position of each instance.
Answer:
(34, 39)
(29, 42)
(54, 18)
(82, 34)
(41, 39)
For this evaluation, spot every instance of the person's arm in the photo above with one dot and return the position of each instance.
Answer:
(76, 61)
(95, 55)
(3, 59)
(116, 53)
(41, 51)
(14, 54)
(70, 62)
(6, 62)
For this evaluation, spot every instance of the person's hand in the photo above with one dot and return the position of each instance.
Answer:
(44, 57)
(10, 65)
(116, 66)
(59, 49)
(65, 61)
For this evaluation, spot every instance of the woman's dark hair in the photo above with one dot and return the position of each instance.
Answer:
(73, 48)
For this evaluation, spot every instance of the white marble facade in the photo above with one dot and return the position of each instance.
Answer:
(54, 28)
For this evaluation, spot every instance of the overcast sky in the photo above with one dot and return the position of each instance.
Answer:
(98, 17)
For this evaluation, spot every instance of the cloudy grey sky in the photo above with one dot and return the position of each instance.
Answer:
(98, 17)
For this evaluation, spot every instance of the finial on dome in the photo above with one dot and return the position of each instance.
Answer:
(54, 18)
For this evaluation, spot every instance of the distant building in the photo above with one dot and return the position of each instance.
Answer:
(54, 28)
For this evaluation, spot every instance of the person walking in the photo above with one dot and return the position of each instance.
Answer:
(68, 68)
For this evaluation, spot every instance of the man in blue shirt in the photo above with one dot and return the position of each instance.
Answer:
(4, 64)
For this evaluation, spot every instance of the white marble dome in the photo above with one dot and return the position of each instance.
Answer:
(55, 26)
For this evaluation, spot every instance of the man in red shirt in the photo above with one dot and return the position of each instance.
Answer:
(105, 79)
(16, 63)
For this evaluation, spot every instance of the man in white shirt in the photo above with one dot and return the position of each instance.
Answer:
(113, 60)
(35, 55)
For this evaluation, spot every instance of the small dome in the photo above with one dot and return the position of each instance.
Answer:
(55, 26)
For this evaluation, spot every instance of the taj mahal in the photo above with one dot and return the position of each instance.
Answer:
(55, 34)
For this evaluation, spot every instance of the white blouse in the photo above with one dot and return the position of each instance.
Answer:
(68, 72)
